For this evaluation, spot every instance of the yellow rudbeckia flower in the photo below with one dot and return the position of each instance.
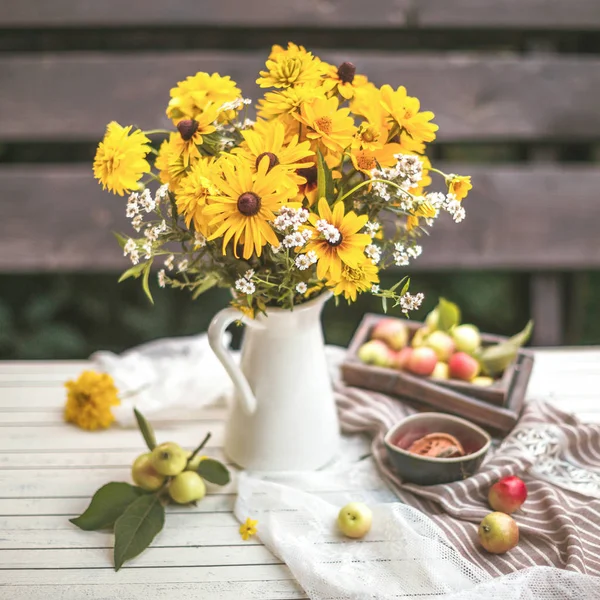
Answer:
(290, 67)
(459, 185)
(191, 132)
(333, 251)
(120, 159)
(247, 203)
(248, 528)
(343, 79)
(353, 281)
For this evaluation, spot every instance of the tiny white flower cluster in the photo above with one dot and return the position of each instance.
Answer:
(297, 239)
(330, 232)
(246, 124)
(407, 172)
(290, 218)
(374, 253)
(304, 261)
(302, 288)
(235, 104)
(146, 201)
(372, 228)
(409, 302)
(182, 265)
(199, 240)
(130, 248)
(244, 284)
(375, 289)
(403, 254)
(169, 262)
(454, 208)
(152, 232)
(147, 248)
(276, 249)
(162, 278)
(162, 193)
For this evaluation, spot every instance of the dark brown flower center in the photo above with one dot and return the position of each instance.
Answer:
(346, 72)
(248, 204)
(273, 160)
(310, 174)
(187, 128)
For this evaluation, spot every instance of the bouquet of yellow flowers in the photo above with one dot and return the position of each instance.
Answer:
(324, 189)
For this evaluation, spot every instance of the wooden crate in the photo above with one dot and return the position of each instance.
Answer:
(497, 407)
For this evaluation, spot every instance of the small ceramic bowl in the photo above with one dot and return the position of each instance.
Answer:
(426, 470)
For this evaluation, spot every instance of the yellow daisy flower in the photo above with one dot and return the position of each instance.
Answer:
(459, 185)
(193, 192)
(267, 138)
(367, 103)
(343, 79)
(330, 126)
(285, 103)
(334, 252)
(191, 97)
(404, 111)
(289, 67)
(366, 160)
(370, 136)
(248, 529)
(191, 132)
(308, 189)
(424, 210)
(120, 159)
(246, 204)
(353, 281)
(89, 399)
(171, 161)
(162, 161)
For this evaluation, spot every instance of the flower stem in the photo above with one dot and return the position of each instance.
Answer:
(153, 131)
(366, 182)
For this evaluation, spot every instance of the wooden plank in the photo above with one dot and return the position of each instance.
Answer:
(335, 14)
(547, 308)
(244, 590)
(474, 97)
(516, 218)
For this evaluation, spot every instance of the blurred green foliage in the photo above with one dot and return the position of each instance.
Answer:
(71, 316)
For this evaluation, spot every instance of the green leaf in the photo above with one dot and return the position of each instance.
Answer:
(121, 239)
(495, 359)
(207, 283)
(214, 471)
(397, 285)
(137, 527)
(324, 179)
(107, 505)
(146, 429)
(405, 288)
(449, 315)
(384, 304)
(134, 271)
(145, 285)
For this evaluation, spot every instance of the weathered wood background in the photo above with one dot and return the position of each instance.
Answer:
(513, 114)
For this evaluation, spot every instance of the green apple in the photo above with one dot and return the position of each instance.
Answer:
(187, 487)
(354, 519)
(376, 353)
(169, 458)
(418, 338)
(466, 338)
(441, 371)
(193, 466)
(482, 381)
(145, 475)
(432, 319)
(498, 533)
(441, 343)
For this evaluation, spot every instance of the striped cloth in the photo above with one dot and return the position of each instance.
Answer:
(557, 457)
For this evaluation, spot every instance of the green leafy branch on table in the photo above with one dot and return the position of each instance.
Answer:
(167, 473)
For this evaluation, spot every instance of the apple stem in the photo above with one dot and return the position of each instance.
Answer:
(202, 444)
(486, 528)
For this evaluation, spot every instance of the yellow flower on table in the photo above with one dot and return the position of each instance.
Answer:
(291, 66)
(355, 280)
(246, 203)
(404, 110)
(248, 528)
(327, 124)
(343, 79)
(459, 185)
(335, 239)
(193, 192)
(267, 138)
(120, 159)
(191, 97)
(89, 400)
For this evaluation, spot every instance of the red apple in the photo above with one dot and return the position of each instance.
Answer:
(462, 366)
(391, 331)
(375, 352)
(422, 361)
(441, 343)
(498, 533)
(441, 371)
(401, 358)
(507, 494)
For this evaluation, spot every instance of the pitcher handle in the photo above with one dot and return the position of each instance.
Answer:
(216, 329)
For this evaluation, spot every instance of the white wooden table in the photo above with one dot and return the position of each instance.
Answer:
(49, 471)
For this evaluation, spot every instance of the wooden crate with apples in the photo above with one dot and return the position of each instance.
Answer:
(455, 369)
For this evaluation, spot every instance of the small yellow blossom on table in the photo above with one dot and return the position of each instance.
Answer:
(248, 529)
(89, 400)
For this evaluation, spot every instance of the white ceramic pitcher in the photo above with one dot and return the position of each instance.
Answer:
(284, 415)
